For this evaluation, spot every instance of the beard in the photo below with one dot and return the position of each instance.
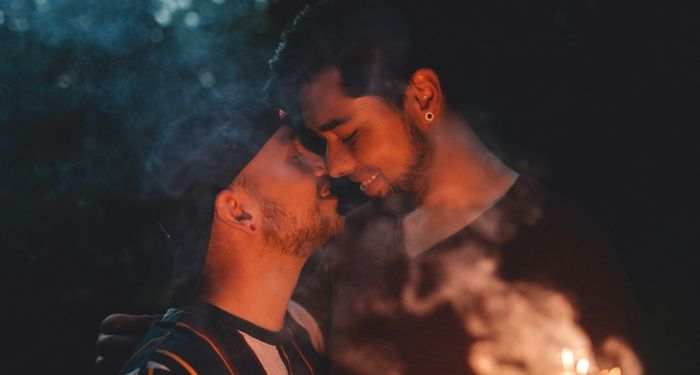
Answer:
(406, 193)
(298, 234)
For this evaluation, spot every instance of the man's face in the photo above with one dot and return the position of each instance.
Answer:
(291, 186)
(369, 141)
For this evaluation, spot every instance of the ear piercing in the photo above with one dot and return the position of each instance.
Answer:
(429, 116)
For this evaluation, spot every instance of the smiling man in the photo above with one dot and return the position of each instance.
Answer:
(459, 263)
(259, 215)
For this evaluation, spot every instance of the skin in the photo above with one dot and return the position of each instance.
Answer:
(355, 146)
(246, 273)
(287, 178)
(367, 137)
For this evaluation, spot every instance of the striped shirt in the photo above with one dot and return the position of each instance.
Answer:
(203, 339)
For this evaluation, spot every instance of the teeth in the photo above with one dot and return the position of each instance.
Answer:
(325, 192)
(366, 183)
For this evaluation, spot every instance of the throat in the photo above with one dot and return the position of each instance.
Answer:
(255, 290)
(428, 225)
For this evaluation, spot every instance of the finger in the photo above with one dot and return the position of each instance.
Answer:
(108, 366)
(116, 345)
(125, 324)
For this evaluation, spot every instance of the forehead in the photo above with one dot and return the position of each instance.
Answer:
(323, 99)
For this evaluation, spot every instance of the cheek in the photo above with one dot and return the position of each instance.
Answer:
(386, 150)
(300, 188)
(289, 185)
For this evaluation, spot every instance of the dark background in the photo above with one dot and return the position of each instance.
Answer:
(595, 98)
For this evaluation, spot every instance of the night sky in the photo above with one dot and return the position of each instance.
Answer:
(596, 99)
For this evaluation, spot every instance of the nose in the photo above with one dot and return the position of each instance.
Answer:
(316, 163)
(338, 161)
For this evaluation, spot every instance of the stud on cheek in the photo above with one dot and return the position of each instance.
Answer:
(252, 227)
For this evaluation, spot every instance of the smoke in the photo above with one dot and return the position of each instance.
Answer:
(86, 89)
(519, 328)
(461, 308)
(87, 86)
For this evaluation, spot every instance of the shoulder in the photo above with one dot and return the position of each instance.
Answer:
(174, 347)
(557, 215)
(553, 239)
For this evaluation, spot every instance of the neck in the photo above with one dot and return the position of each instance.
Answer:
(465, 180)
(254, 283)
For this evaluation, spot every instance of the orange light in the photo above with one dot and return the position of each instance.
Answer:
(567, 359)
(582, 366)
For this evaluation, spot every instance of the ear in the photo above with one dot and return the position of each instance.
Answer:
(424, 100)
(230, 210)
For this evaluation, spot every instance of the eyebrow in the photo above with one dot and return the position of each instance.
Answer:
(330, 125)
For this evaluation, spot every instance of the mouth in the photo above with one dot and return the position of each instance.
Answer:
(324, 191)
(367, 182)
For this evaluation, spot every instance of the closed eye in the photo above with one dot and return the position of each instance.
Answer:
(295, 155)
(350, 138)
